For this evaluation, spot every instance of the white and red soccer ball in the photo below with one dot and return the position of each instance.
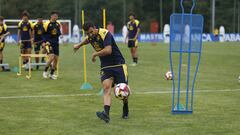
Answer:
(168, 75)
(121, 91)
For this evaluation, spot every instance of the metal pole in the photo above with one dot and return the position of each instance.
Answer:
(174, 6)
(238, 17)
(161, 16)
(76, 12)
(234, 16)
(0, 7)
(104, 18)
(124, 12)
(84, 53)
(213, 15)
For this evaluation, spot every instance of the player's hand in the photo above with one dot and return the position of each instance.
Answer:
(76, 47)
(1, 39)
(94, 57)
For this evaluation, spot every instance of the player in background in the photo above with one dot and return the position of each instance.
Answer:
(3, 33)
(38, 37)
(25, 39)
(133, 31)
(52, 32)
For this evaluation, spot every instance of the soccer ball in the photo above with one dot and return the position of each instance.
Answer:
(122, 91)
(168, 75)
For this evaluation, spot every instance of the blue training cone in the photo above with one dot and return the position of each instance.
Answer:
(100, 92)
(86, 86)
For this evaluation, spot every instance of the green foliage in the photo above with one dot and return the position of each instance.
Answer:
(146, 11)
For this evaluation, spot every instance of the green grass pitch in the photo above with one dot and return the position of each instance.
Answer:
(46, 107)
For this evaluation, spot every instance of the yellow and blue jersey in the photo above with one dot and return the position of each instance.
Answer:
(3, 30)
(133, 28)
(25, 29)
(38, 31)
(99, 42)
(52, 31)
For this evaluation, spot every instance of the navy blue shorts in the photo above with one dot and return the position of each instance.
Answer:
(26, 45)
(118, 73)
(132, 43)
(37, 46)
(53, 49)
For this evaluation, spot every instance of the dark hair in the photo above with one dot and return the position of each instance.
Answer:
(25, 13)
(54, 12)
(1, 18)
(87, 25)
(132, 14)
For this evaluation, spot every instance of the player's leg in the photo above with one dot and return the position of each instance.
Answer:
(44, 51)
(54, 68)
(107, 82)
(134, 52)
(48, 64)
(131, 45)
(37, 50)
(107, 86)
(121, 76)
(1, 54)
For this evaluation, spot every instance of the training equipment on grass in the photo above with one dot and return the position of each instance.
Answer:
(122, 91)
(30, 65)
(86, 85)
(185, 47)
(5, 66)
(168, 75)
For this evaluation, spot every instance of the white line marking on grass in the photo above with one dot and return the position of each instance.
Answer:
(196, 91)
(46, 96)
(144, 92)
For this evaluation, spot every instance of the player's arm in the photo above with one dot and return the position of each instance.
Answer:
(136, 36)
(104, 52)
(77, 46)
(4, 35)
(31, 32)
(138, 31)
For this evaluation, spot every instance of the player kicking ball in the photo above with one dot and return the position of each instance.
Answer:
(113, 67)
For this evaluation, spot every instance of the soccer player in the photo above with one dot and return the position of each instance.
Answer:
(38, 37)
(113, 67)
(133, 31)
(51, 43)
(3, 33)
(25, 35)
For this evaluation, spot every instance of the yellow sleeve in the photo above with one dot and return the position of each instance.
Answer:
(31, 25)
(45, 25)
(19, 25)
(5, 27)
(137, 23)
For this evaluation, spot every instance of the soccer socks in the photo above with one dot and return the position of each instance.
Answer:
(125, 109)
(135, 60)
(52, 71)
(106, 109)
(46, 68)
(1, 61)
